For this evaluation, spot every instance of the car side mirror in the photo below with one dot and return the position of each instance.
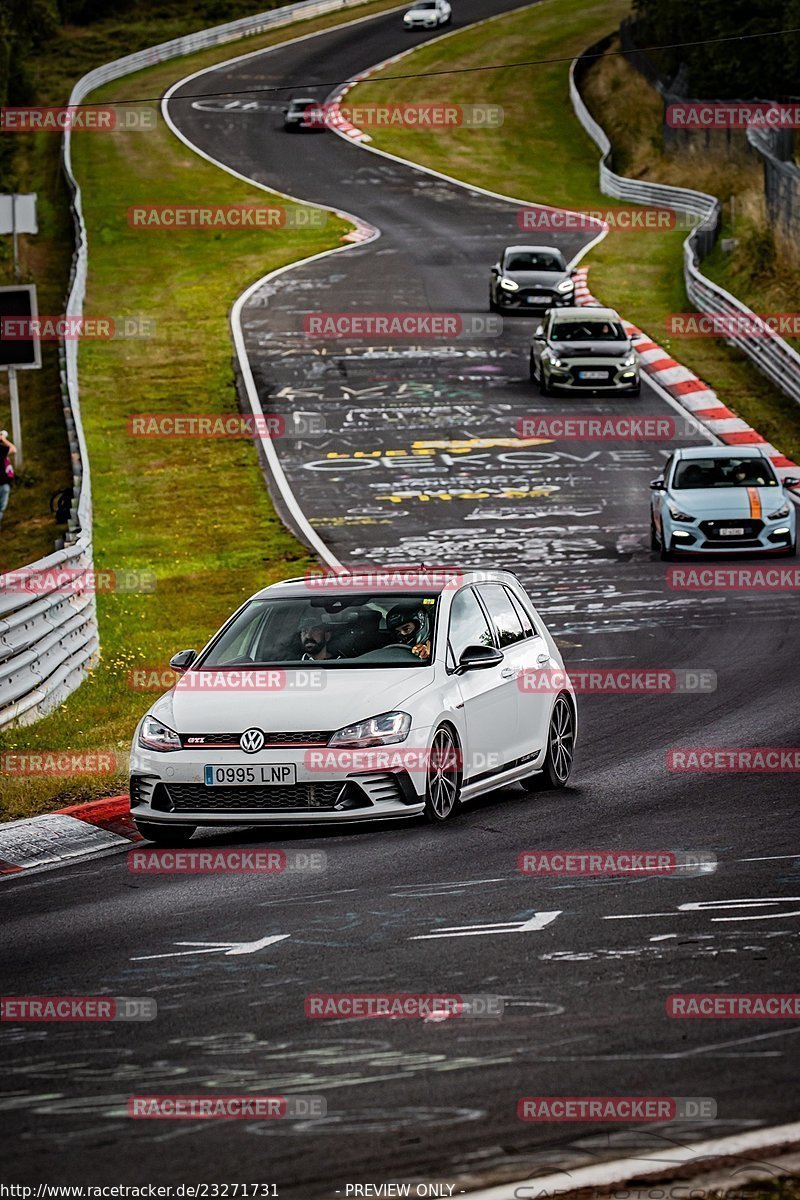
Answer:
(478, 658)
(181, 661)
(791, 481)
(539, 334)
(495, 270)
(656, 485)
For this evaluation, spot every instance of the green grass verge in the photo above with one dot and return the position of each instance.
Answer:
(28, 531)
(542, 154)
(195, 512)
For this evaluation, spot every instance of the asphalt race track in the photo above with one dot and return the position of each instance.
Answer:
(585, 994)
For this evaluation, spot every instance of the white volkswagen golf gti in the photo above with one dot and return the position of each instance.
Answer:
(346, 698)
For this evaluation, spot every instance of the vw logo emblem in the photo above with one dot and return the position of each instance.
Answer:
(251, 741)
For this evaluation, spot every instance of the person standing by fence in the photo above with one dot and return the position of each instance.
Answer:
(7, 448)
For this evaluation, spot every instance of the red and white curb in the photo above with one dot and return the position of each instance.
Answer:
(700, 401)
(66, 834)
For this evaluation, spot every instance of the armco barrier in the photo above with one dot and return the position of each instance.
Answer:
(770, 353)
(48, 636)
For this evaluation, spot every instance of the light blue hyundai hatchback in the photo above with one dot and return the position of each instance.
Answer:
(721, 500)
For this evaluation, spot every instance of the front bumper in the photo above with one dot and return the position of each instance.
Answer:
(170, 789)
(704, 536)
(593, 375)
(526, 301)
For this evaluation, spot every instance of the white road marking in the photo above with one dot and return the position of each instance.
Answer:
(710, 905)
(536, 922)
(228, 948)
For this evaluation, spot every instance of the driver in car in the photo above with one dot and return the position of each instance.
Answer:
(315, 635)
(410, 627)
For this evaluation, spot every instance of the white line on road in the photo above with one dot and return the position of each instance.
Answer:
(227, 948)
(536, 922)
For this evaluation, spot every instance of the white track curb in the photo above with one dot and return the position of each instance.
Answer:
(659, 1164)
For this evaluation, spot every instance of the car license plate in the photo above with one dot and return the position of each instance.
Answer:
(257, 775)
(591, 374)
(736, 531)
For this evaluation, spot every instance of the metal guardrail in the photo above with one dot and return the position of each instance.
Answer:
(48, 617)
(774, 357)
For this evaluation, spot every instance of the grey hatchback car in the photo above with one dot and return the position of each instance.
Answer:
(584, 350)
(530, 278)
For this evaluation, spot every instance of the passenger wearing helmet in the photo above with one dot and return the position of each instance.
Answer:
(411, 628)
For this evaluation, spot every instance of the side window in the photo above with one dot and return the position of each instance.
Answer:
(503, 614)
(468, 626)
(522, 613)
(667, 468)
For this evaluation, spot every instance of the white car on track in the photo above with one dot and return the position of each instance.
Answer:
(345, 699)
(428, 14)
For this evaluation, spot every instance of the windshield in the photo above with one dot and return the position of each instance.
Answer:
(724, 473)
(587, 331)
(531, 260)
(354, 631)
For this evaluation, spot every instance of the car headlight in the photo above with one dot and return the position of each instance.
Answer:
(783, 511)
(510, 285)
(156, 736)
(566, 285)
(677, 515)
(389, 727)
(630, 361)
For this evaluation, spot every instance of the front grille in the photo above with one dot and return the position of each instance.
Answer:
(230, 741)
(710, 531)
(141, 789)
(195, 797)
(607, 376)
(380, 786)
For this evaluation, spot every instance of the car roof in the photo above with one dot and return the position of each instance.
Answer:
(383, 581)
(576, 312)
(528, 249)
(719, 452)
